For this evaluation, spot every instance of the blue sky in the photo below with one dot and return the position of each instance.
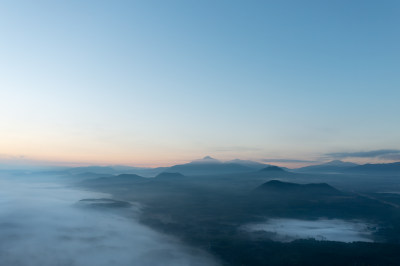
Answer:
(162, 82)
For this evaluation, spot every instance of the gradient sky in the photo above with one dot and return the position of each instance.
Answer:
(164, 82)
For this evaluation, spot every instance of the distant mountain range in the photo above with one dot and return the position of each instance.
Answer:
(338, 166)
(329, 167)
(387, 168)
(211, 166)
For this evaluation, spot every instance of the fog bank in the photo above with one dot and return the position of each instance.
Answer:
(41, 225)
(286, 230)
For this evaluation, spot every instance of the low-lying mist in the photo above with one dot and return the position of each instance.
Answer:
(41, 225)
(285, 230)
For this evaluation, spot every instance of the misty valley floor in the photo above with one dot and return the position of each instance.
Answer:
(255, 218)
(45, 224)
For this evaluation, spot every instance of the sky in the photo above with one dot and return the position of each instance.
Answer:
(155, 83)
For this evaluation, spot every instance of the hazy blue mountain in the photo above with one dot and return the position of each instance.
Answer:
(329, 167)
(204, 166)
(252, 164)
(272, 168)
(146, 172)
(207, 160)
(211, 166)
(167, 175)
(92, 169)
(122, 179)
(384, 168)
(106, 170)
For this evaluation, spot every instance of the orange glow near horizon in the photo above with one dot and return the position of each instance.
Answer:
(141, 160)
(48, 149)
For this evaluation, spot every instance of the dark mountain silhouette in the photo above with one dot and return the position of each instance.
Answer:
(281, 188)
(335, 166)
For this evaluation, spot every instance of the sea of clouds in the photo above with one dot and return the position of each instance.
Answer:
(41, 225)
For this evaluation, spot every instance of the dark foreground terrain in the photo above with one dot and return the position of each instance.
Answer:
(211, 212)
